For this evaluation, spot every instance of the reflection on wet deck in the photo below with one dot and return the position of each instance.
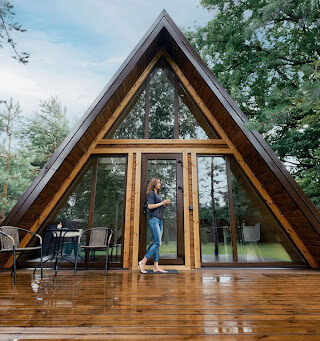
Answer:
(245, 304)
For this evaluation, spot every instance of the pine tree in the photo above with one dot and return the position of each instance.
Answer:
(45, 131)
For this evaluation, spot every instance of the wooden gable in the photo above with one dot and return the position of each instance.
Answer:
(285, 198)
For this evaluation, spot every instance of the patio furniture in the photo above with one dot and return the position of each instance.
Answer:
(59, 235)
(99, 239)
(10, 243)
(251, 234)
(73, 234)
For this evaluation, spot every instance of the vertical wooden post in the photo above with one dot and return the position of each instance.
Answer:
(136, 218)
(195, 203)
(231, 210)
(186, 224)
(126, 232)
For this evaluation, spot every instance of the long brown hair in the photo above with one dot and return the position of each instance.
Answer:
(152, 184)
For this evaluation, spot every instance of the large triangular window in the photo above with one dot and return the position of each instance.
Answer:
(162, 109)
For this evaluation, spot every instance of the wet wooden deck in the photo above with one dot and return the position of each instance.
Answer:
(234, 304)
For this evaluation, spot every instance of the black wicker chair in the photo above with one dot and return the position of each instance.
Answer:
(9, 237)
(99, 239)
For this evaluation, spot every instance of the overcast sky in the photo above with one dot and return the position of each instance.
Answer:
(77, 45)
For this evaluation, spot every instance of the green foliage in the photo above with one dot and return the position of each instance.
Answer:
(45, 131)
(26, 145)
(20, 176)
(16, 171)
(267, 55)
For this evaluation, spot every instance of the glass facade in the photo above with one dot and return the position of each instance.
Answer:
(96, 199)
(161, 109)
(161, 114)
(109, 201)
(259, 237)
(131, 124)
(214, 211)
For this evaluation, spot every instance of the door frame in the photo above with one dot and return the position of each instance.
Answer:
(143, 225)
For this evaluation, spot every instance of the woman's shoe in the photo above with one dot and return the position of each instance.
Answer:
(142, 268)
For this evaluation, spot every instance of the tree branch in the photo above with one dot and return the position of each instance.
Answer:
(23, 57)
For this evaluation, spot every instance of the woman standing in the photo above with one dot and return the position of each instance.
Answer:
(155, 206)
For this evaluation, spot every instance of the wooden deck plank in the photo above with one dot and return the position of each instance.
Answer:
(227, 304)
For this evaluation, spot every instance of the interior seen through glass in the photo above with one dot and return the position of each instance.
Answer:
(259, 237)
(165, 170)
(74, 210)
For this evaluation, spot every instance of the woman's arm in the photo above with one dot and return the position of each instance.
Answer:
(164, 202)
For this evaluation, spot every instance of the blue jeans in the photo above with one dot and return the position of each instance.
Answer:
(156, 226)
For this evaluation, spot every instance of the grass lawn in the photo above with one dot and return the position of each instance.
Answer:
(269, 251)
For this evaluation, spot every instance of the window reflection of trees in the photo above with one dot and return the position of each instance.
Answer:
(74, 210)
(191, 124)
(213, 204)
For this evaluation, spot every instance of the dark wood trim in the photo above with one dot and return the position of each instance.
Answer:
(180, 220)
(231, 211)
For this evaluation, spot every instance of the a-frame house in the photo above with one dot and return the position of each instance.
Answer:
(165, 115)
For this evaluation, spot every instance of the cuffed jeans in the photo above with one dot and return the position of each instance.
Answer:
(156, 226)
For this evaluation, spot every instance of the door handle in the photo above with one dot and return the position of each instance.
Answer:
(180, 187)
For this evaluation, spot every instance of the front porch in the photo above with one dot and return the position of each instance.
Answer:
(245, 304)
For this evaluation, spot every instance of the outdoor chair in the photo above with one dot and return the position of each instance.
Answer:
(10, 243)
(99, 240)
(251, 235)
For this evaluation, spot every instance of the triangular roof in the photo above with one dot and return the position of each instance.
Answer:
(282, 189)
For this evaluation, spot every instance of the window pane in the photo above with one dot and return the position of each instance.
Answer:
(73, 213)
(260, 237)
(131, 123)
(109, 200)
(191, 119)
(161, 119)
(214, 216)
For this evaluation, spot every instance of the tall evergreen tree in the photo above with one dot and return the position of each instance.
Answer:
(45, 131)
(16, 171)
(267, 56)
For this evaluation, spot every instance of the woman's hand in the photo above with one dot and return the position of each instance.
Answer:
(166, 202)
